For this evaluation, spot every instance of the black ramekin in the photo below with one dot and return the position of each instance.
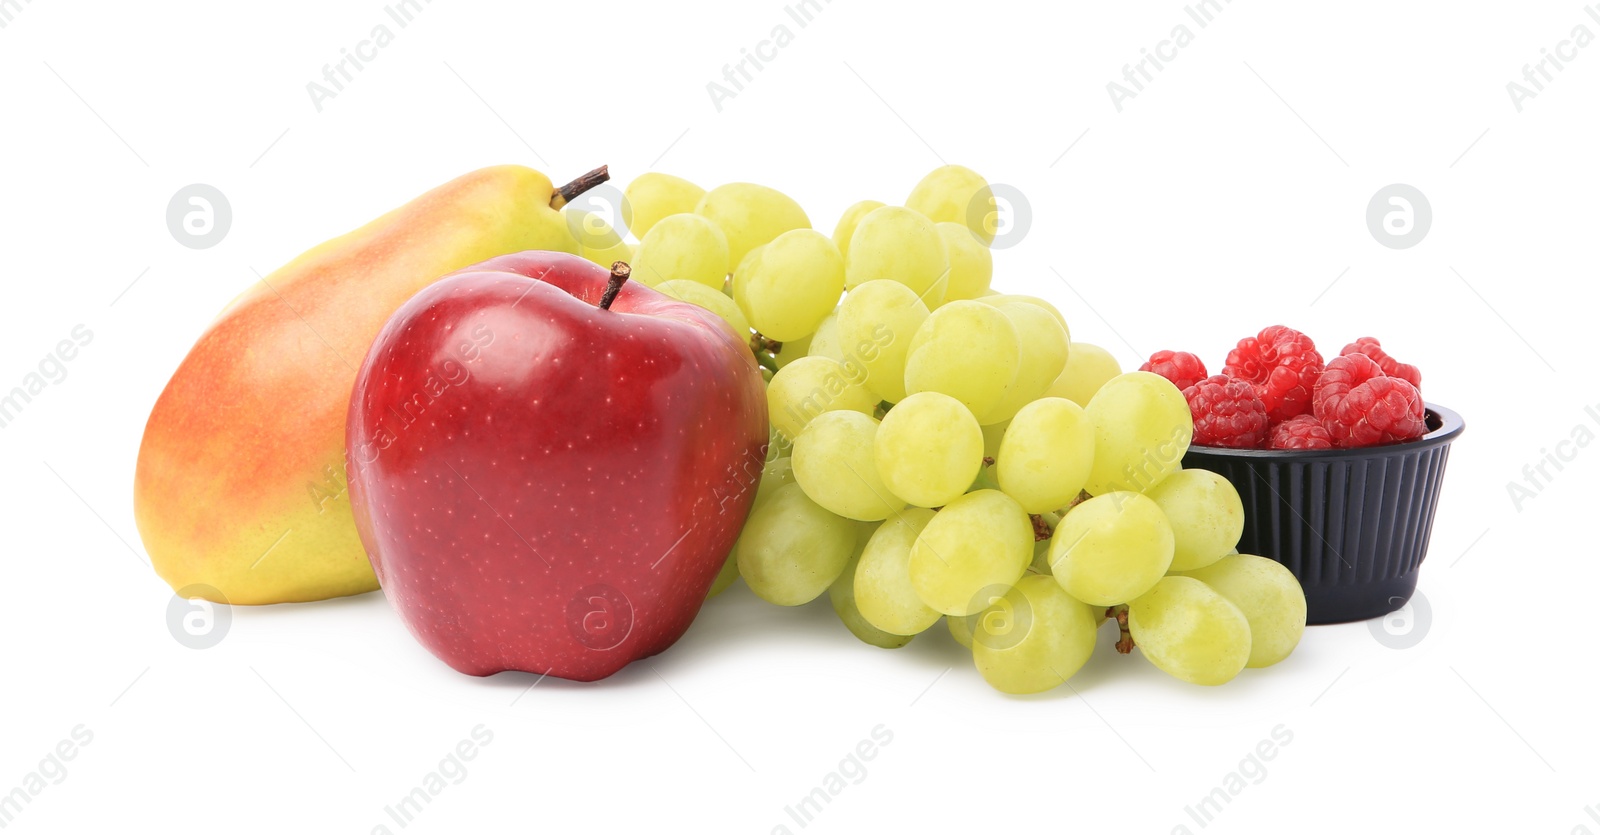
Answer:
(1352, 524)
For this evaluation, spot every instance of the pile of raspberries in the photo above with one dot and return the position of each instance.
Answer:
(1275, 392)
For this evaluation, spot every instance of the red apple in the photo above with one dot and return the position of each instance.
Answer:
(545, 483)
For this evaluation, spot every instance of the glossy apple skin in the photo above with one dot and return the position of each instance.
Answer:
(543, 485)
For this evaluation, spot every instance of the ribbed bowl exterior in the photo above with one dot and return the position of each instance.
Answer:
(1353, 525)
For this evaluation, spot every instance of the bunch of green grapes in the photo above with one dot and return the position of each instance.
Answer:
(941, 452)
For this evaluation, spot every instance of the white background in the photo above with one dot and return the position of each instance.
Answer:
(1229, 195)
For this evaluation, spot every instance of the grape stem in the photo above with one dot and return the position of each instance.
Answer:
(1120, 615)
(619, 275)
(759, 343)
(988, 461)
(766, 361)
(567, 193)
(1041, 528)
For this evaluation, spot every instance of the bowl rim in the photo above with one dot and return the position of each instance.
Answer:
(1450, 426)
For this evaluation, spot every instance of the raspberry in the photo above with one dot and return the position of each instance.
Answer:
(1300, 432)
(1394, 368)
(1361, 406)
(1227, 413)
(1283, 365)
(1181, 367)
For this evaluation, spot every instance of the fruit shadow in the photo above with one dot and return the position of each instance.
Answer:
(296, 611)
(737, 623)
(738, 618)
(732, 619)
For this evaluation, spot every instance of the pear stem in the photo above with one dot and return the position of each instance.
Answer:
(567, 193)
(619, 274)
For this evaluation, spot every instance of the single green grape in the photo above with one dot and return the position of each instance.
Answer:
(792, 549)
(652, 196)
(810, 386)
(1189, 631)
(792, 349)
(1088, 368)
(980, 540)
(682, 246)
(928, 449)
(883, 590)
(959, 195)
(968, 350)
(1045, 456)
(877, 321)
(1206, 513)
(1035, 638)
(793, 285)
(898, 244)
(750, 215)
(1142, 429)
(834, 464)
(842, 594)
(1042, 346)
(1111, 548)
(847, 223)
(1270, 598)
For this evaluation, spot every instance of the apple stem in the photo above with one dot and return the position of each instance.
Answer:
(565, 194)
(619, 274)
